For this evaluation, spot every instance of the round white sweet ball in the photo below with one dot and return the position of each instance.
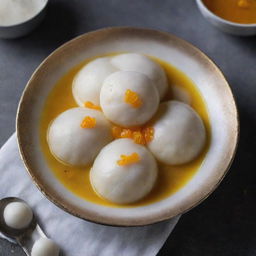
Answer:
(73, 144)
(45, 247)
(123, 183)
(122, 110)
(18, 215)
(179, 133)
(87, 83)
(141, 63)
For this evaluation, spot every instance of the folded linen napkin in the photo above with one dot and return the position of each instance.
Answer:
(77, 237)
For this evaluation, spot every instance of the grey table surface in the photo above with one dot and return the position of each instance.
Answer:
(224, 224)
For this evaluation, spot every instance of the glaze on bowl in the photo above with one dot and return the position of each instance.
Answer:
(198, 67)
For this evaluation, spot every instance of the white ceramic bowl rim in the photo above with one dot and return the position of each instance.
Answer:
(214, 16)
(209, 80)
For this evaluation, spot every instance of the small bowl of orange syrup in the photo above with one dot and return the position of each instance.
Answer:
(237, 17)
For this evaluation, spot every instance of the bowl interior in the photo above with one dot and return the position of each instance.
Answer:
(206, 76)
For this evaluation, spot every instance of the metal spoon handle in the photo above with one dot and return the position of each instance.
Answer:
(24, 250)
(27, 241)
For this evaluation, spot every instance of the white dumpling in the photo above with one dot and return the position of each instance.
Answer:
(75, 145)
(179, 133)
(18, 215)
(180, 94)
(128, 98)
(45, 247)
(141, 63)
(87, 83)
(123, 183)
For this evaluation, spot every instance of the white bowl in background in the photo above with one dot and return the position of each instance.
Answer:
(234, 28)
(25, 27)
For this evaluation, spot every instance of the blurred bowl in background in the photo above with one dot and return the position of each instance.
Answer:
(234, 28)
(25, 27)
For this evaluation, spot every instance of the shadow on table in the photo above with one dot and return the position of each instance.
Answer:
(248, 44)
(225, 223)
(58, 27)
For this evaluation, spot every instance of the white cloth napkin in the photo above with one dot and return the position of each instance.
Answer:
(77, 237)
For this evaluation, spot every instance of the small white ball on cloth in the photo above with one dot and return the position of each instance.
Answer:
(143, 64)
(18, 215)
(77, 135)
(179, 133)
(128, 98)
(45, 247)
(123, 172)
(87, 83)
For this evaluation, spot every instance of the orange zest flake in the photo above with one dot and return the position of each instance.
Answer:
(119, 132)
(132, 98)
(126, 133)
(128, 159)
(89, 104)
(148, 133)
(116, 131)
(88, 122)
(139, 135)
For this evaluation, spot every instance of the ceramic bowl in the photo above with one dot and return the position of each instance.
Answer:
(204, 73)
(24, 28)
(225, 25)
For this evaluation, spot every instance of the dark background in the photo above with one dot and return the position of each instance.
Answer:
(223, 225)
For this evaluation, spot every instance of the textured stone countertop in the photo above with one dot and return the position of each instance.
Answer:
(224, 224)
